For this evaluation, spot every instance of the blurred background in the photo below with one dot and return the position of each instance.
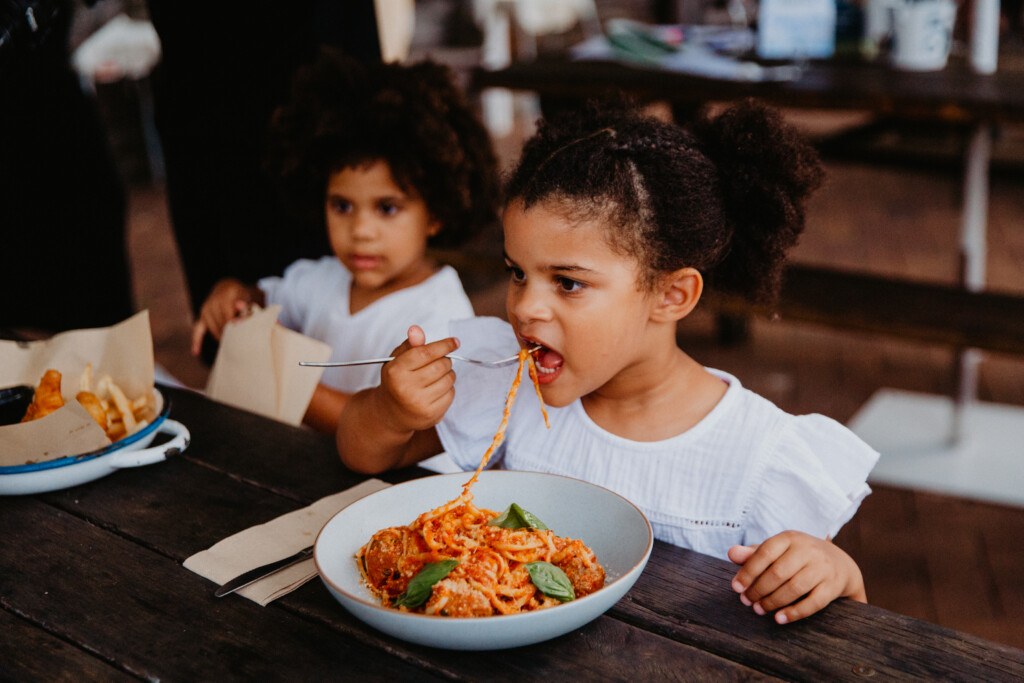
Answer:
(891, 206)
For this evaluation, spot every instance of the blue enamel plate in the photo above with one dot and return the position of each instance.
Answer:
(61, 473)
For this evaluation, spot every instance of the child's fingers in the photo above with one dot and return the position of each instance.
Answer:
(418, 367)
(435, 378)
(416, 336)
(209, 322)
(794, 575)
(433, 350)
(419, 357)
(198, 332)
(441, 393)
(422, 398)
(215, 315)
(741, 553)
(815, 601)
(799, 584)
(774, 578)
(759, 561)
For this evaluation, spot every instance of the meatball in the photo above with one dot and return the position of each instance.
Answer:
(458, 598)
(581, 566)
(389, 559)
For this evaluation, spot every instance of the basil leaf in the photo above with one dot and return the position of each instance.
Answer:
(531, 520)
(515, 517)
(423, 583)
(551, 581)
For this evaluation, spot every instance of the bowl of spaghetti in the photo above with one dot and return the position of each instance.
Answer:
(529, 583)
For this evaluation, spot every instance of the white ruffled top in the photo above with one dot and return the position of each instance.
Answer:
(746, 472)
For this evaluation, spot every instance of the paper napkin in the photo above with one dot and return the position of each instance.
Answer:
(272, 541)
(257, 367)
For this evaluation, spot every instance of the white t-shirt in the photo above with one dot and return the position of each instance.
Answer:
(314, 296)
(746, 472)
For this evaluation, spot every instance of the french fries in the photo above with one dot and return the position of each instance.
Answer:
(123, 416)
(95, 408)
(107, 404)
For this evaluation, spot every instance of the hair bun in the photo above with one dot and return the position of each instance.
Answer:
(767, 171)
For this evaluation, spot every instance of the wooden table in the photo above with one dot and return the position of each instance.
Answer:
(954, 94)
(92, 587)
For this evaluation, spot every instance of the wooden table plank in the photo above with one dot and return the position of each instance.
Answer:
(236, 441)
(704, 611)
(604, 649)
(205, 505)
(30, 653)
(157, 620)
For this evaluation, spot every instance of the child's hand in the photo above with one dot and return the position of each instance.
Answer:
(391, 425)
(228, 300)
(796, 574)
(418, 385)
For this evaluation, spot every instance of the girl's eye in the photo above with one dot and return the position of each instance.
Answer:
(516, 273)
(568, 284)
(387, 209)
(339, 205)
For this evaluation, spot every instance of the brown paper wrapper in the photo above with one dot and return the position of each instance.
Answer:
(123, 351)
(257, 367)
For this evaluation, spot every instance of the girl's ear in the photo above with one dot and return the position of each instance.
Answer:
(677, 295)
(433, 228)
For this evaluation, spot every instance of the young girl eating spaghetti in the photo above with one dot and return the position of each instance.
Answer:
(614, 225)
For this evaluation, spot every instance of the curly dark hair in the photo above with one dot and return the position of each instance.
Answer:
(725, 197)
(345, 114)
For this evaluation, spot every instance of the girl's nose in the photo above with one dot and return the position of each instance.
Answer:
(527, 304)
(363, 226)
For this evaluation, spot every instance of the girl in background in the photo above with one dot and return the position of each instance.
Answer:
(395, 161)
(615, 224)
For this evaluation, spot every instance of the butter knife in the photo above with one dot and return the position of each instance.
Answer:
(253, 575)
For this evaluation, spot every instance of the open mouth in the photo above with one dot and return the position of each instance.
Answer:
(548, 361)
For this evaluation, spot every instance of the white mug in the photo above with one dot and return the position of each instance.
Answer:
(922, 34)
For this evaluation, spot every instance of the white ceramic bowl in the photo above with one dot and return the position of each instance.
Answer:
(613, 527)
(73, 470)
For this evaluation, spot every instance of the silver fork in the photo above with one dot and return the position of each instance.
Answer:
(371, 361)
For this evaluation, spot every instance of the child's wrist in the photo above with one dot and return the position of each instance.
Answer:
(383, 407)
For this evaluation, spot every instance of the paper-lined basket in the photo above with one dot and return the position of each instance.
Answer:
(124, 352)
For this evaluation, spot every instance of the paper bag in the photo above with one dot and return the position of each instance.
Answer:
(257, 367)
(123, 351)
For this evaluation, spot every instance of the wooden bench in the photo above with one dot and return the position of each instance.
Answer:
(920, 311)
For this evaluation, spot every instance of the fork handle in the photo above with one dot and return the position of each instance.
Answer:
(340, 364)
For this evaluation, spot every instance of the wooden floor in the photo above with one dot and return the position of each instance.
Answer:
(950, 561)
